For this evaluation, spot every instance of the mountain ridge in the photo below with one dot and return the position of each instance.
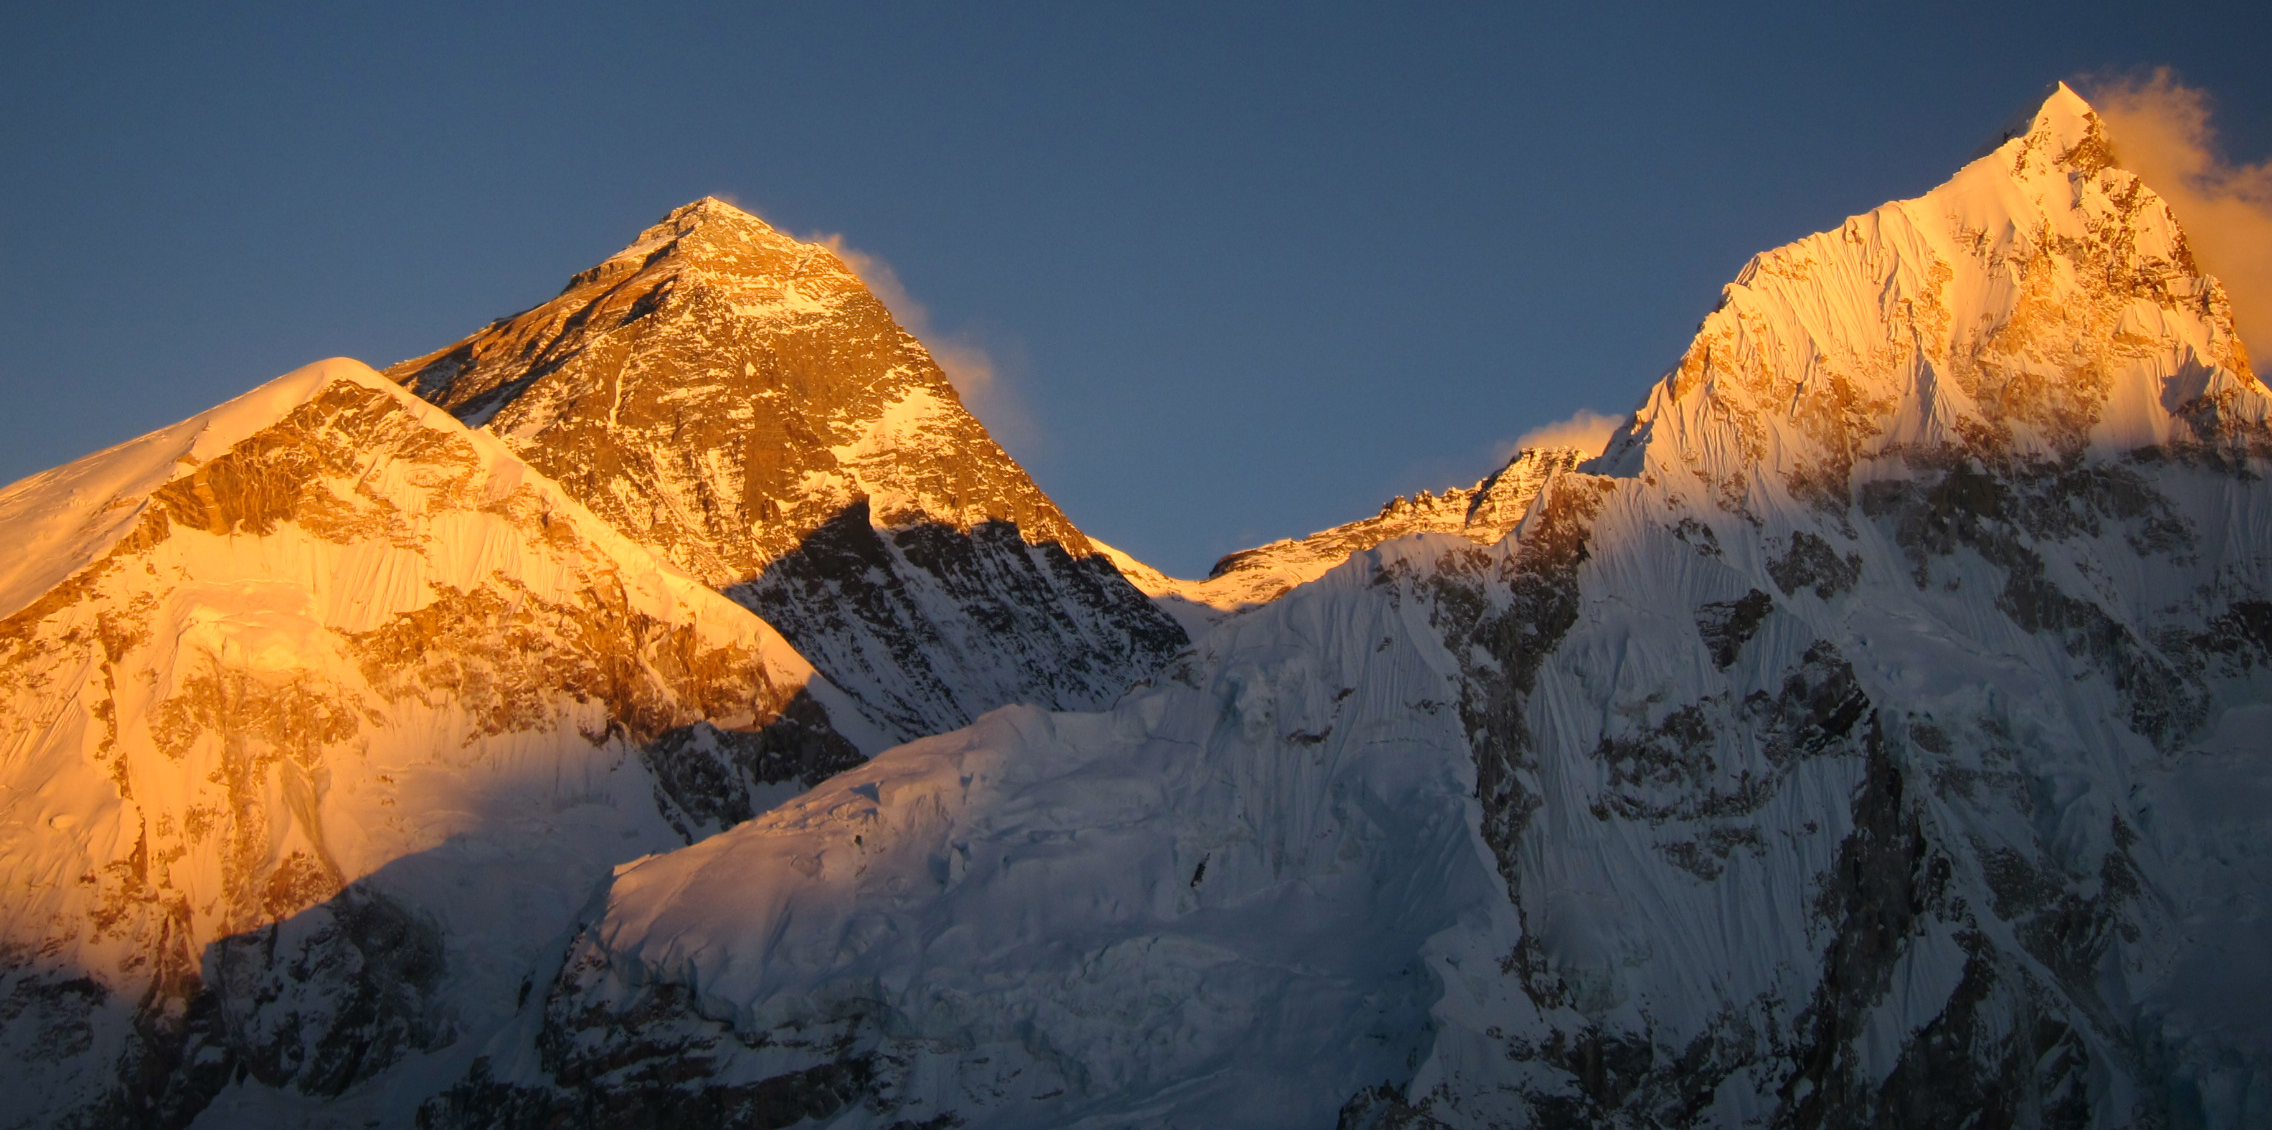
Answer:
(1841, 747)
(1869, 734)
(1250, 578)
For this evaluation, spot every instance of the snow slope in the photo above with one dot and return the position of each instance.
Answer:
(1869, 737)
(319, 716)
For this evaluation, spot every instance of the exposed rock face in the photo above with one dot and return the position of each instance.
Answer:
(1870, 737)
(735, 400)
(321, 712)
(931, 625)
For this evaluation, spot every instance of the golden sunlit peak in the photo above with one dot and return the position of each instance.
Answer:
(712, 208)
(2065, 102)
(2064, 119)
(707, 213)
(2063, 114)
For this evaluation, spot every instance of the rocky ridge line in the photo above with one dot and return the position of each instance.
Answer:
(1483, 513)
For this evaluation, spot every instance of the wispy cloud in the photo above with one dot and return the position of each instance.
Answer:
(2161, 131)
(970, 367)
(1587, 430)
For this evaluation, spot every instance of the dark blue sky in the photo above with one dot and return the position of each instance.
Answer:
(1248, 270)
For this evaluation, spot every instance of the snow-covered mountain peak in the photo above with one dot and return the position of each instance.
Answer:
(713, 208)
(720, 390)
(2065, 120)
(2041, 301)
(735, 248)
(722, 223)
(739, 402)
(261, 670)
(61, 519)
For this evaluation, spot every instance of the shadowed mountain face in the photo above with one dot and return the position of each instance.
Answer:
(724, 394)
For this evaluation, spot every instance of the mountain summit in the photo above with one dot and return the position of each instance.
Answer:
(740, 402)
(720, 391)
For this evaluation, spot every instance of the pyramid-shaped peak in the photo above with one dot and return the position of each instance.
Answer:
(2060, 124)
(704, 228)
(2065, 130)
(62, 519)
(2064, 117)
(2063, 105)
(710, 209)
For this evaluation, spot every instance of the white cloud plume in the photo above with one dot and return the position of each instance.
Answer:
(2160, 129)
(1587, 430)
(970, 367)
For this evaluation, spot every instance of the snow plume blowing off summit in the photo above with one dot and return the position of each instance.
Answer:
(969, 366)
(2161, 131)
(1585, 432)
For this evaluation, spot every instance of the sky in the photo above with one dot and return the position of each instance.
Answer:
(1235, 272)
